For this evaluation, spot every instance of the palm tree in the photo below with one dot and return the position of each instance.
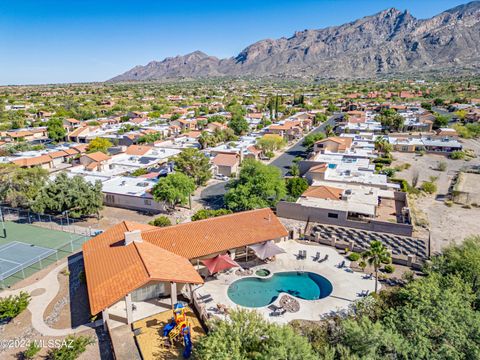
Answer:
(376, 256)
(382, 145)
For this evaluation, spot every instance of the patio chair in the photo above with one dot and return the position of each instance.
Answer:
(325, 258)
(341, 265)
(317, 256)
(304, 254)
(299, 256)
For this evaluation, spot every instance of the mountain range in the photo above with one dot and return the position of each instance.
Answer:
(389, 42)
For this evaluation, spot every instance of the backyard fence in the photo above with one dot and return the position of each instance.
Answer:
(32, 241)
(59, 223)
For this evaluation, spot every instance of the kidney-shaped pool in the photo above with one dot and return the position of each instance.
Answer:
(258, 292)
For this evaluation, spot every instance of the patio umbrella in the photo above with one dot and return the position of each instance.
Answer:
(219, 263)
(266, 249)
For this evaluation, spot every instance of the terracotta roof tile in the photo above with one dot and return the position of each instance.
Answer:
(323, 192)
(113, 269)
(225, 160)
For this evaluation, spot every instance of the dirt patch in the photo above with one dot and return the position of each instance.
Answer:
(444, 224)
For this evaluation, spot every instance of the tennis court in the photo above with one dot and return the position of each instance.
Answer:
(27, 249)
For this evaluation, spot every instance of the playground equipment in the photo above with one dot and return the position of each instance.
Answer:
(179, 326)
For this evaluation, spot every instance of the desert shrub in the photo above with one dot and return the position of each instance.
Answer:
(11, 306)
(354, 256)
(429, 187)
(457, 155)
(442, 166)
(389, 268)
(31, 351)
(71, 348)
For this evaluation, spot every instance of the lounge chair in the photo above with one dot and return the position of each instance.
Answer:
(300, 254)
(341, 265)
(304, 254)
(317, 256)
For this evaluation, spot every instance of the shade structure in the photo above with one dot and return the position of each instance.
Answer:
(219, 263)
(266, 249)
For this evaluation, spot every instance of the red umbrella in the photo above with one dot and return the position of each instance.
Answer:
(219, 263)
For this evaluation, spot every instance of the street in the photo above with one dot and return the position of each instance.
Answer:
(284, 161)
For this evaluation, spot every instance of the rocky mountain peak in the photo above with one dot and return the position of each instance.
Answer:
(389, 42)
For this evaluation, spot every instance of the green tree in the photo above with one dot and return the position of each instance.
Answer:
(208, 213)
(19, 186)
(294, 170)
(296, 186)
(238, 124)
(55, 129)
(319, 118)
(440, 121)
(383, 145)
(376, 256)
(75, 195)
(270, 143)
(194, 164)
(99, 144)
(257, 186)
(174, 189)
(247, 335)
(161, 221)
(311, 139)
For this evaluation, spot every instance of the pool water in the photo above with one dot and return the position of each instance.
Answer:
(257, 292)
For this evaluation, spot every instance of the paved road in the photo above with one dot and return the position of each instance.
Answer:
(284, 161)
(212, 196)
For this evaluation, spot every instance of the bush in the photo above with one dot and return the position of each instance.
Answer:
(389, 268)
(442, 166)
(161, 221)
(354, 256)
(389, 172)
(382, 160)
(138, 172)
(429, 187)
(71, 348)
(457, 155)
(404, 186)
(31, 351)
(206, 214)
(12, 306)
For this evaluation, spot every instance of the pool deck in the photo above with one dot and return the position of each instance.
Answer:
(347, 285)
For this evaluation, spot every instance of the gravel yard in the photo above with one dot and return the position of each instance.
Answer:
(446, 224)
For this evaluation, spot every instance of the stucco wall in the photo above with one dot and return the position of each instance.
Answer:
(304, 213)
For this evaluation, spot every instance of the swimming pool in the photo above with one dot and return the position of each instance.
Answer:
(257, 292)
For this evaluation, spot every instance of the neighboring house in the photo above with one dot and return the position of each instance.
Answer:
(226, 164)
(43, 161)
(357, 206)
(334, 144)
(131, 193)
(94, 161)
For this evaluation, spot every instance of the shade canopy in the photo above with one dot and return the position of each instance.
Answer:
(266, 250)
(219, 263)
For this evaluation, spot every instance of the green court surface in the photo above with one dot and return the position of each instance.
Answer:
(63, 242)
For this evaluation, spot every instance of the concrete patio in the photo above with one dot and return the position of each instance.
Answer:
(347, 285)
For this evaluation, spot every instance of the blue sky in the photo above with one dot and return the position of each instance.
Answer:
(47, 41)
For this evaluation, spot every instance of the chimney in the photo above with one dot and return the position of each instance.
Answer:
(133, 236)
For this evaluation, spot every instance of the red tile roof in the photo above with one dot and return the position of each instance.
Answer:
(114, 269)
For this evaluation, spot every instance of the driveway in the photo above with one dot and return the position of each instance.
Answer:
(284, 161)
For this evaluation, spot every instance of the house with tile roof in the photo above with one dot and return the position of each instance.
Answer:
(133, 264)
